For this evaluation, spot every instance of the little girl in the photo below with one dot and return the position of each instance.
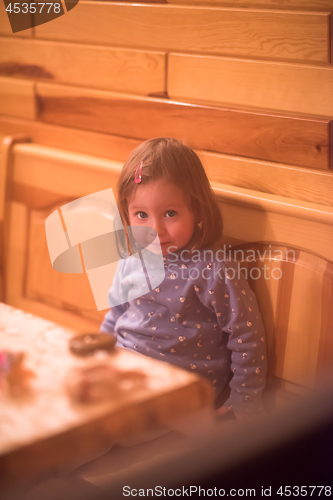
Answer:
(203, 317)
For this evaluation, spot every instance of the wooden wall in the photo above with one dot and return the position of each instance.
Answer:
(248, 82)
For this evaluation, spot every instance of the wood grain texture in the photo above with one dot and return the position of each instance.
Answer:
(38, 188)
(230, 32)
(299, 141)
(38, 183)
(6, 178)
(124, 70)
(277, 86)
(307, 288)
(288, 284)
(284, 180)
(274, 204)
(80, 141)
(272, 286)
(315, 5)
(325, 350)
(17, 255)
(252, 216)
(3, 203)
(17, 98)
(253, 225)
(139, 1)
(69, 292)
(46, 168)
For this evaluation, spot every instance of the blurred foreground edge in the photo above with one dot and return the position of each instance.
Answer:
(293, 447)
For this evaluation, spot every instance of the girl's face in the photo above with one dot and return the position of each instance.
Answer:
(163, 207)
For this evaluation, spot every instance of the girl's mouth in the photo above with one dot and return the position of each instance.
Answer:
(159, 243)
(163, 246)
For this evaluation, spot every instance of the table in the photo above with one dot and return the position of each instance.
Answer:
(46, 429)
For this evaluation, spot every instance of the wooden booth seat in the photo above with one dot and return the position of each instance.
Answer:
(285, 246)
(294, 289)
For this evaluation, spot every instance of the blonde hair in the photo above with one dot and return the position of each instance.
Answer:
(169, 160)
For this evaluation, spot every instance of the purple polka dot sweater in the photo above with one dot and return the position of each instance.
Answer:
(203, 317)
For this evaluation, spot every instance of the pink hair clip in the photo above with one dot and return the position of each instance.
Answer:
(137, 177)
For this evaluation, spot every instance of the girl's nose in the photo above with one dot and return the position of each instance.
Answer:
(159, 227)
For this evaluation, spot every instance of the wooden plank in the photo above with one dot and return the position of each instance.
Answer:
(299, 141)
(288, 284)
(3, 204)
(326, 338)
(306, 298)
(284, 180)
(138, 1)
(272, 203)
(251, 216)
(253, 225)
(132, 71)
(81, 141)
(16, 272)
(330, 157)
(330, 34)
(292, 35)
(17, 255)
(46, 168)
(17, 98)
(316, 5)
(5, 201)
(6, 29)
(69, 292)
(283, 87)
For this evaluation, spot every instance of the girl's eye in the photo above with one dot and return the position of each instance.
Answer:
(170, 213)
(142, 215)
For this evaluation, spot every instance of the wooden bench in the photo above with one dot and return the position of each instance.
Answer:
(291, 241)
(294, 289)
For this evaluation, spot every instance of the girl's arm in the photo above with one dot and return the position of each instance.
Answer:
(111, 317)
(239, 317)
(118, 296)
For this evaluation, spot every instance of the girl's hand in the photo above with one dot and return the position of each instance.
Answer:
(246, 418)
(221, 411)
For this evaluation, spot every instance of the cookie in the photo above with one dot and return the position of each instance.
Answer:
(88, 343)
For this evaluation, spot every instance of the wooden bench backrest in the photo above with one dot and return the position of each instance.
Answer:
(294, 289)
